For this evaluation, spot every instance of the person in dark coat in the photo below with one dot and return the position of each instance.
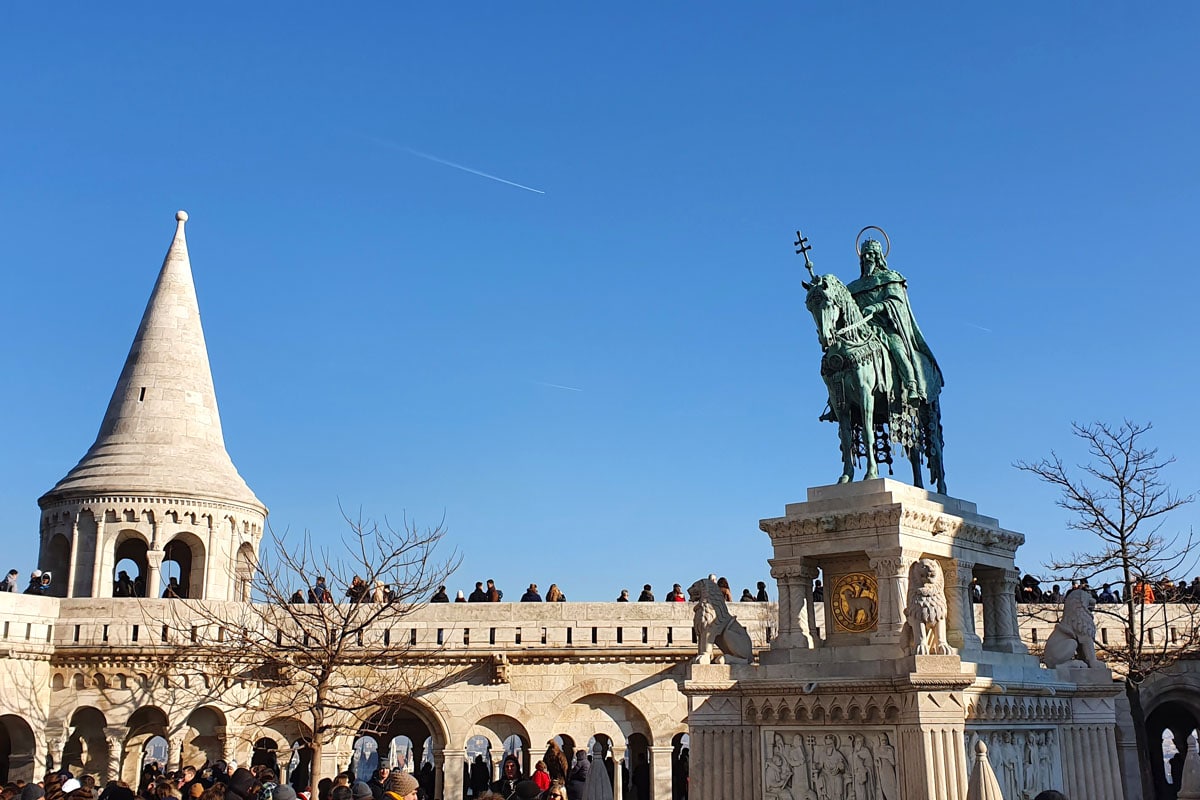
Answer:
(481, 776)
(510, 776)
(378, 783)
(440, 596)
(762, 592)
(479, 595)
(646, 596)
(577, 779)
(531, 595)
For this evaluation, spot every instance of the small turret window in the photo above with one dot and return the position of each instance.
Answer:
(142, 394)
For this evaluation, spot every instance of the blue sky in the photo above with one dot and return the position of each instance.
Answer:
(391, 332)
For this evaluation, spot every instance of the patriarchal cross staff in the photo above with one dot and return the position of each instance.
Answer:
(884, 383)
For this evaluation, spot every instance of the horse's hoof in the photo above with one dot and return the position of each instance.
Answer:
(871, 475)
(844, 479)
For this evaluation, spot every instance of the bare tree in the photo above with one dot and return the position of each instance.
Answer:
(1120, 500)
(321, 654)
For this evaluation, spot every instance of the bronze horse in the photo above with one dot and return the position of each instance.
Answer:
(864, 398)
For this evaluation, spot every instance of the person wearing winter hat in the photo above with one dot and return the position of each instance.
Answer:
(242, 785)
(527, 790)
(361, 791)
(283, 792)
(401, 786)
(70, 785)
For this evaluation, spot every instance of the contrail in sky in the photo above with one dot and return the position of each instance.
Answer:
(437, 160)
(979, 327)
(558, 386)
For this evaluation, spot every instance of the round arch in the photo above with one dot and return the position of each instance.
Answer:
(17, 746)
(184, 559)
(56, 561)
(86, 748)
(205, 738)
(129, 557)
(243, 572)
(146, 723)
(601, 712)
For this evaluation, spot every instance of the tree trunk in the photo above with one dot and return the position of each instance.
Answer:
(1134, 696)
(315, 772)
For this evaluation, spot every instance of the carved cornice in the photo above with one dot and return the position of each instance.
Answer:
(1008, 708)
(898, 515)
(122, 501)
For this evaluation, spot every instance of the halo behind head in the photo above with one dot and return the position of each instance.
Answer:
(857, 239)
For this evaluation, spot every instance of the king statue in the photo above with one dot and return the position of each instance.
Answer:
(884, 383)
(882, 296)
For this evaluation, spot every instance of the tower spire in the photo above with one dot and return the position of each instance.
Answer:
(161, 434)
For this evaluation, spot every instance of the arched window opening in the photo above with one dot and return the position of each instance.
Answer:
(131, 567)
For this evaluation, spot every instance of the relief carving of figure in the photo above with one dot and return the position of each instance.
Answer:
(832, 770)
(1030, 767)
(885, 769)
(797, 759)
(776, 776)
(715, 625)
(861, 769)
(1073, 641)
(925, 617)
(1006, 757)
(1045, 765)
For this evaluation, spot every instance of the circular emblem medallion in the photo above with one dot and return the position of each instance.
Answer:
(855, 602)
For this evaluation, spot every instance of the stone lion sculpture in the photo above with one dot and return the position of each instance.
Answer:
(715, 625)
(925, 616)
(1073, 642)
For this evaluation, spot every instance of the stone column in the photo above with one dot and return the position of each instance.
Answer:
(451, 774)
(101, 588)
(960, 622)
(891, 576)
(660, 773)
(154, 559)
(797, 615)
(175, 752)
(114, 737)
(1000, 629)
(618, 756)
(74, 562)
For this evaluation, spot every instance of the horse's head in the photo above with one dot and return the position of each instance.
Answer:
(824, 303)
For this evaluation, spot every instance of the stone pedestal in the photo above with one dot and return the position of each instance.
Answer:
(890, 699)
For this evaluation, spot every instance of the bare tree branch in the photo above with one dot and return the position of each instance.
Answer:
(1121, 500)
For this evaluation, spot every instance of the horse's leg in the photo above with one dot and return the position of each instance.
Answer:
(846, 437)
(868, 415)
(914, 457)
(937, 470)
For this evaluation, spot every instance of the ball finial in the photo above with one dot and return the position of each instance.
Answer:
(181, 215)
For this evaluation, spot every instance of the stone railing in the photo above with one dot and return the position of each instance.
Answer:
(446, 628)
(40, 625)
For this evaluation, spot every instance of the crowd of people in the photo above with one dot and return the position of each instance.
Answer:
(1030, 590)
(219, 781)
(39, 582)
(489, 593)
(553, 778)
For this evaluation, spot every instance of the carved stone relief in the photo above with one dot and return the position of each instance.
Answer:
(1023, 760)
(842, 765)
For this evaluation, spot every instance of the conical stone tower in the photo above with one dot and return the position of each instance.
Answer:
(157, 487)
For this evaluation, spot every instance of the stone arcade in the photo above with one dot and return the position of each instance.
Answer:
(884, 702)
